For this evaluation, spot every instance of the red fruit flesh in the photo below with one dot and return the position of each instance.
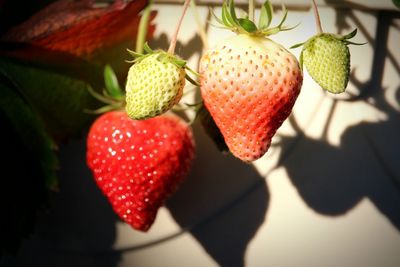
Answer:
(138, 164)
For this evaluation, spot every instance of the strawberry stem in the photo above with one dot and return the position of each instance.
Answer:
(143, 25)
(316, 15)
(200, 27)
(251, 9)
(171, 48)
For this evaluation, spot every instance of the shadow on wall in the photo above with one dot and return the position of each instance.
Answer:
(80, 225)
(332, 180)
(185, 51)
(223, 229)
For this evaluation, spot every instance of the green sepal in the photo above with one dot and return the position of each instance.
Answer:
(216, 17)
(134, 54)
(147, 48)
(111, 83)
(232, 11)
(101, 98)
(285, 13)
(192, 71)
(347, 37)
(353, 43)
(179, 62)
(350, 35)
(191, 80)
(265, 15)
(194, 105)
(297, 45)
(102, 110)
(301, 60)
(168, 58)
(226, 16)
(230, 20)
(247, 25)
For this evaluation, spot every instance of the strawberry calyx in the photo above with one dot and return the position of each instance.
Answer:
(244, 25)
(112, 95)
(163, 57)
(345, 39)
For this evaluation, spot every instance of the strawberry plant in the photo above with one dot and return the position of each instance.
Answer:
(138, 151)
(248, 83)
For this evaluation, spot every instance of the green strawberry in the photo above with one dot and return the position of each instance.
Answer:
(327, 59)
(154, 85)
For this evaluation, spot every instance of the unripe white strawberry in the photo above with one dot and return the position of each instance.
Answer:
(154, 85)
(327, 59)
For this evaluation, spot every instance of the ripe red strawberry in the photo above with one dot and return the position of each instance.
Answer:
(249, 84)
(138, 164)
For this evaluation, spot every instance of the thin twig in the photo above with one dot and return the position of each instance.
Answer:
(200, 27)
(316, 15)
(251, 9)
(171, 48)
(143, 25)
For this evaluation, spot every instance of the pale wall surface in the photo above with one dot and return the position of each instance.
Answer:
(326, 194)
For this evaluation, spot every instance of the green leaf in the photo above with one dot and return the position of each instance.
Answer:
(111, 82)
(247, 25)
(31, 131)
(58, 99)
(396, 3)
(28, 167)
(265, 15)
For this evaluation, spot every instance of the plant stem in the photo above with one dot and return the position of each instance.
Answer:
(171, 48)
(200, 27)
(316, 15)
(142, 30)
(251, 9)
